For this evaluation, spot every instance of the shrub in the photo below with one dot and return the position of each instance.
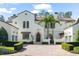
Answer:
(76, 49)
(6, 50)
(67, 46)
(9, 43)
(58, 42)
(18, 46)
(74, 43)
(77, 36)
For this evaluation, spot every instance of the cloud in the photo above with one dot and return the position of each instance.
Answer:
(5, 10)
(35, 11)
(39, 7)
(50, 10)
(42, 6)
(12, 8)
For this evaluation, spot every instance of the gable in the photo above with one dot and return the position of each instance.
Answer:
(26, 15)
(25, 12)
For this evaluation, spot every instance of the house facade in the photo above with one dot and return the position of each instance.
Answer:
(31, 31)
(70, 32)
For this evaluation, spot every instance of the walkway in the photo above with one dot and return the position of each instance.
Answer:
(43, 50)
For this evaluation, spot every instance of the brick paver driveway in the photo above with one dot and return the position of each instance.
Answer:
(43, 50)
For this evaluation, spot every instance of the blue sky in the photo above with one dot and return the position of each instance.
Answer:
(7, 9)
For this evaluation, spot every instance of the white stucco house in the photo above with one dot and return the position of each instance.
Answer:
(28, 30)
(71, 32)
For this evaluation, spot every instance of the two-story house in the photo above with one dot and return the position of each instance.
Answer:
(30, 31)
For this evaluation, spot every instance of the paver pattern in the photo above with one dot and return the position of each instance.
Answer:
(43, 50)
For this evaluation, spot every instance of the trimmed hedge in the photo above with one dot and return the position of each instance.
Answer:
(76, 50)
(67, 46)
(6, 50)
(8, 43)
(74, 43)
(58, 42)
(18, 46)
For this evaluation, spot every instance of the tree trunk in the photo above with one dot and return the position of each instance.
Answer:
(47, 30)
(53, 37)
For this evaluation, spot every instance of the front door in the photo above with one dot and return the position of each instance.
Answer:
(38, 37)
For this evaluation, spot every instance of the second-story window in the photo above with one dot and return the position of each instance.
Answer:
(45, 25)
(27, 24)
(23, 24)
(52, 25)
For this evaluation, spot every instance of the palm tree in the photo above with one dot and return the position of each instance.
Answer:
(48, 19)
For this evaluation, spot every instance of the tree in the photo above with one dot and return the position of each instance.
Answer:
(48, 19)
(68, 14)
(2, 18)
(61, 14)
(3, 35)
(77, 36)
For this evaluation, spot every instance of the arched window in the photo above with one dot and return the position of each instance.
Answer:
(23, 24)
(27, 24)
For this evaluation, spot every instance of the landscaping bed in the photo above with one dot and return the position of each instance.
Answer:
(10, 47)
(72, 47)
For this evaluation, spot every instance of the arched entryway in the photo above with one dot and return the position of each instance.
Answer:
(38, 37)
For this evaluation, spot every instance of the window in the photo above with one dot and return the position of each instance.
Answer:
(15, 22)
(52, 25)
(25, 35)
(16, 38)
(61, 35)
(45, 25)
(27, 24)
(23, 24)
(69, 38)
(12, 37)
(66, 38)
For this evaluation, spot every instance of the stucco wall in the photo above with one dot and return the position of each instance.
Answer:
(68, 32)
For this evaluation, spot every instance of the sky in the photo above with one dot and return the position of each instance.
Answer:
(8, 9)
